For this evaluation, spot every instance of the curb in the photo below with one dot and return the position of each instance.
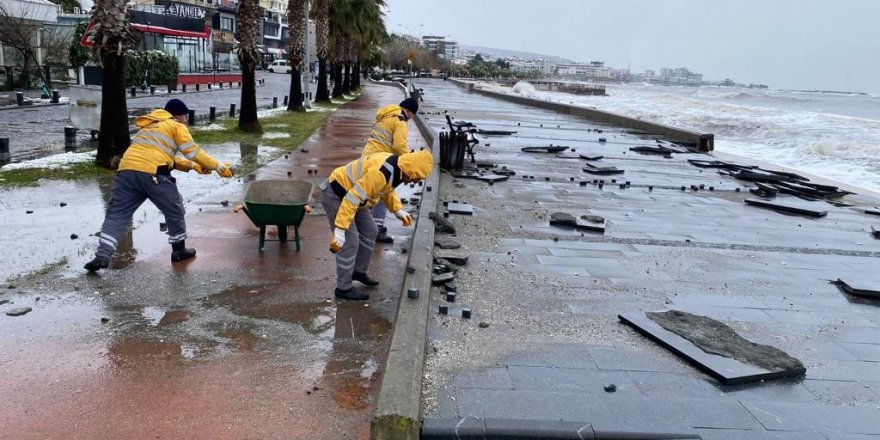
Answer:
(509, 429)
(398, 408)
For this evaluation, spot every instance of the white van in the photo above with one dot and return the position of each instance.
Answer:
(280, 66)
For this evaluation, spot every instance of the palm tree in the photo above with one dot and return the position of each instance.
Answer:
(356, 27)
(112, 38)
(296, 21)
(249, 21)
(322, 28)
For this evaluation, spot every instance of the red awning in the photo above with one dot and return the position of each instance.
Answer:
(171, 32)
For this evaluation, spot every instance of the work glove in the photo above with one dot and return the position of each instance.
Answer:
(404, 217)
(199, 169)
(225, 170)
(338, 240)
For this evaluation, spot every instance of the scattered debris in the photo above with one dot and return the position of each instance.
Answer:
(714, 347)
(658, 151)
(550, 149)
(763, 190)
(443, 278)
(443, 310)
(18, 311)
(602, 170)
(460, 208)
(868, 289)
(446, 243)
(466, 313)
(610, 388)
(453, 257)
(590, 158)
(74, 236)
(412, 293)
(441, 224)
(875, 232)
(567, 155)
(872, 212)
(785, 209)
(493, 178)
(592, 223)
(495, 132)
(484, 324)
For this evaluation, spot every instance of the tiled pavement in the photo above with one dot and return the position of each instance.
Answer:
(549, 297)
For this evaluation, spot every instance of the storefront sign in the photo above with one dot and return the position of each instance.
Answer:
(185, 11)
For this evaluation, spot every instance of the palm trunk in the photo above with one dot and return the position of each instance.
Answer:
(323, 92)
(337, 80)
(356, 76)
(295, 102)
(114, 136)
(247, 118)
(346, 79)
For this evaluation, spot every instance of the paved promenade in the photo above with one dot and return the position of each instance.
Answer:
(235, 344)
(544, 339)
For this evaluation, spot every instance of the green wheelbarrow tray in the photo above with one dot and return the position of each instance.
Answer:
(277, 202)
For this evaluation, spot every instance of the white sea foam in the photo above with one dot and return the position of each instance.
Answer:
(55, 161)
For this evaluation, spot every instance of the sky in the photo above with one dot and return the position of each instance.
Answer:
(786, 44)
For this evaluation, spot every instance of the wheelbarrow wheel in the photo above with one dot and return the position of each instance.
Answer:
(282, 233)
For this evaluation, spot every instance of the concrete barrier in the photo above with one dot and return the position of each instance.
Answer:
(704, 142)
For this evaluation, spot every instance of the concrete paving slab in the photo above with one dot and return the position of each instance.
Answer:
(783, 416)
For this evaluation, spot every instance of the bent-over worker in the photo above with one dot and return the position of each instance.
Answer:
(145, 173)
(388, 135)
(347, 196)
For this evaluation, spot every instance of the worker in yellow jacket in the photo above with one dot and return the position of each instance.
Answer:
(349, 194)
(389, 135)
(145, 173)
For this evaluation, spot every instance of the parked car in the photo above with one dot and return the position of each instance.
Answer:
(280, 66)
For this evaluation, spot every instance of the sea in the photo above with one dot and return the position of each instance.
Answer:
(834, 135)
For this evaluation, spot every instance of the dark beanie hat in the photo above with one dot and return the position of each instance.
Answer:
(176, 107)
(410, 104)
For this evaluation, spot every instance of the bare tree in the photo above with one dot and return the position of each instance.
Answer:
(20, 28)
(249, 22)
(113, 38)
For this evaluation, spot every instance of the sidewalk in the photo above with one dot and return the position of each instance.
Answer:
(544, 340)
(235, 344)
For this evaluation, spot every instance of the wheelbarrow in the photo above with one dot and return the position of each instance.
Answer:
(283, 203)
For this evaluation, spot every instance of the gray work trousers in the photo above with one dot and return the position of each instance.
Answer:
(379, 212)
(360, 239)
(130, 190)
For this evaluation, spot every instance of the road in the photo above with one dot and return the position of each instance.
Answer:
(39, 131)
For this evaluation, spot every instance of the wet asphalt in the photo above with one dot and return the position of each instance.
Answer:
(236, 343)
(544, 340)
(36, 131)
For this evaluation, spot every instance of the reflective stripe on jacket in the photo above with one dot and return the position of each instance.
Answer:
(365, 184)
(158, 143)
(389, 133)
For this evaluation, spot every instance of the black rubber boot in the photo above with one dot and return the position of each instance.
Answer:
(352, 294)
(180, 252)
(383, 236)
(364, 278)
(97, 264)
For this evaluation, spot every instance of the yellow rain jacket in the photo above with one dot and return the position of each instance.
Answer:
(366, 183)
(157, 143)
(389, 133)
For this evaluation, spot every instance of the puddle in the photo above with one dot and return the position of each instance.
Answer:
(264, 302)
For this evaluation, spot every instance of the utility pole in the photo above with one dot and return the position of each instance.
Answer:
(304, 70)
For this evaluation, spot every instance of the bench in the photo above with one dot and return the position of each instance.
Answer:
(464, 127)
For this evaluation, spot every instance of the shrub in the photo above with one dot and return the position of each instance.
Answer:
(160, 68)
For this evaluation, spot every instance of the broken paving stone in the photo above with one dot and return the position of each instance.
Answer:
(18, 311)
(441, 224)
(443, 278)
(860, 288)
(450, 287)
(562, 219)
(446, 243)
(460, 208)
(3, 301)
(453, 257)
